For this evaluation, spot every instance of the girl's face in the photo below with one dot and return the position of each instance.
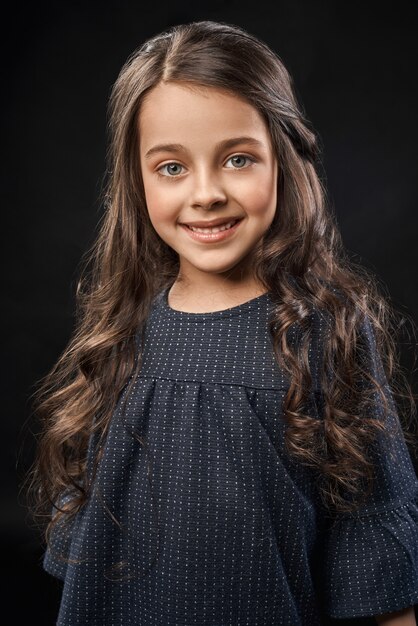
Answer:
(220, 165)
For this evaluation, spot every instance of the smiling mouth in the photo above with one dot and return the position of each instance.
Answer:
(216, 234)
(214, 229)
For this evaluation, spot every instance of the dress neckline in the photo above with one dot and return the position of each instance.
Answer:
(238, 309)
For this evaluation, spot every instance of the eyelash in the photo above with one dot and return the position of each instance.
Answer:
(178, 175)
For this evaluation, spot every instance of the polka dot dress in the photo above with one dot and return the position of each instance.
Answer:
(199, 516)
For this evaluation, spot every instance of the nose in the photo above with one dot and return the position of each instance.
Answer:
(207, 189)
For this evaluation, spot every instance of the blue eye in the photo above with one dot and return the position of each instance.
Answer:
(175, 174)
(241, 156)
(168, 165)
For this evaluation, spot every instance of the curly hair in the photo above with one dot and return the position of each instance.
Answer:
(302, 263)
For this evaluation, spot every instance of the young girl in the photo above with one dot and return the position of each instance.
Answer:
(221, 445)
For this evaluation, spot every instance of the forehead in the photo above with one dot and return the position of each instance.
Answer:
(178, 111)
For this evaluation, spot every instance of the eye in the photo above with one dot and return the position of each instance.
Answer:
(168, 165)
(242, 157)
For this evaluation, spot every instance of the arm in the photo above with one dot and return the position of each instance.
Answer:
(405, 617)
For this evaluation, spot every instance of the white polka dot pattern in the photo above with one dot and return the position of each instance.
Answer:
(219, 526)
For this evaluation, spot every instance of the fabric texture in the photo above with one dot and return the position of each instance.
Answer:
(199, 517)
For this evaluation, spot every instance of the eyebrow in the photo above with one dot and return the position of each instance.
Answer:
(222, 145)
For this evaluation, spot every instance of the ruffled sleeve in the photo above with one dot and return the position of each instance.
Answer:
(371, 556)
(372, 563)
(56, 555)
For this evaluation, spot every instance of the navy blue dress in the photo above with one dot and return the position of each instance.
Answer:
(210, 522)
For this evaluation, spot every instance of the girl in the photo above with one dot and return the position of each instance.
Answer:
(221, 445)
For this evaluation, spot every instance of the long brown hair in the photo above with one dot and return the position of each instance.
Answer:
(302, 263)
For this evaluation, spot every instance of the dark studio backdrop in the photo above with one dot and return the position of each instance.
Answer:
(354, 67)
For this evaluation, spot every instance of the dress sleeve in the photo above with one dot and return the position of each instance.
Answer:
(56, 554)
(371, 556)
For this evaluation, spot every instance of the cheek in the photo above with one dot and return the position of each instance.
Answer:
(159, 201)
(152, 193)
(258, 195)
(260, 203)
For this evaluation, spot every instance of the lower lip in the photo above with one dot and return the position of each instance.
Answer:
(212, 237)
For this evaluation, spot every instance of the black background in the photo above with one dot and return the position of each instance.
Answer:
(354, 67)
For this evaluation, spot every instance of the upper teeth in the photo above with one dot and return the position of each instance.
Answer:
(215, 229)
